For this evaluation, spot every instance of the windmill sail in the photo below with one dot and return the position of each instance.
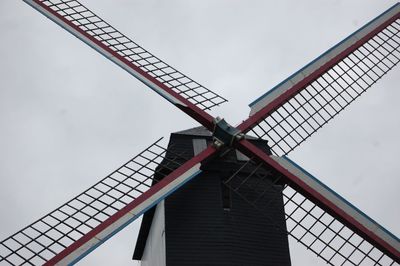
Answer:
(328, 237)
(300, 105)
(171, 84)
(77, 227)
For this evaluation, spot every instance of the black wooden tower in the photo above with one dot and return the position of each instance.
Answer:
(205, 223)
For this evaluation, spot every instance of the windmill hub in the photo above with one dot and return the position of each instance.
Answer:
(225, 134)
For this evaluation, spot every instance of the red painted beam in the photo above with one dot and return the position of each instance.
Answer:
(141, 204)
(253, 120)
(295, 182)
(185, 105)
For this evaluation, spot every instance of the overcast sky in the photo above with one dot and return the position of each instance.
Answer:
(68, 117)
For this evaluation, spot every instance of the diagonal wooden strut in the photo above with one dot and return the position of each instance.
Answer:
(299, 106)
(327, 200)
(132, 211)
(171, 84)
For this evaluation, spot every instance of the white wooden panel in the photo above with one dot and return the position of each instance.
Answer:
(154, 251)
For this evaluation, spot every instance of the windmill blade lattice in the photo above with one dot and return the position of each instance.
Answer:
(306, 222)
(117, 47)
(54, 232)
(318, 97)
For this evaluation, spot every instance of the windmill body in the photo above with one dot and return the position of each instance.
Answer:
(204, 223)
(222, 189)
